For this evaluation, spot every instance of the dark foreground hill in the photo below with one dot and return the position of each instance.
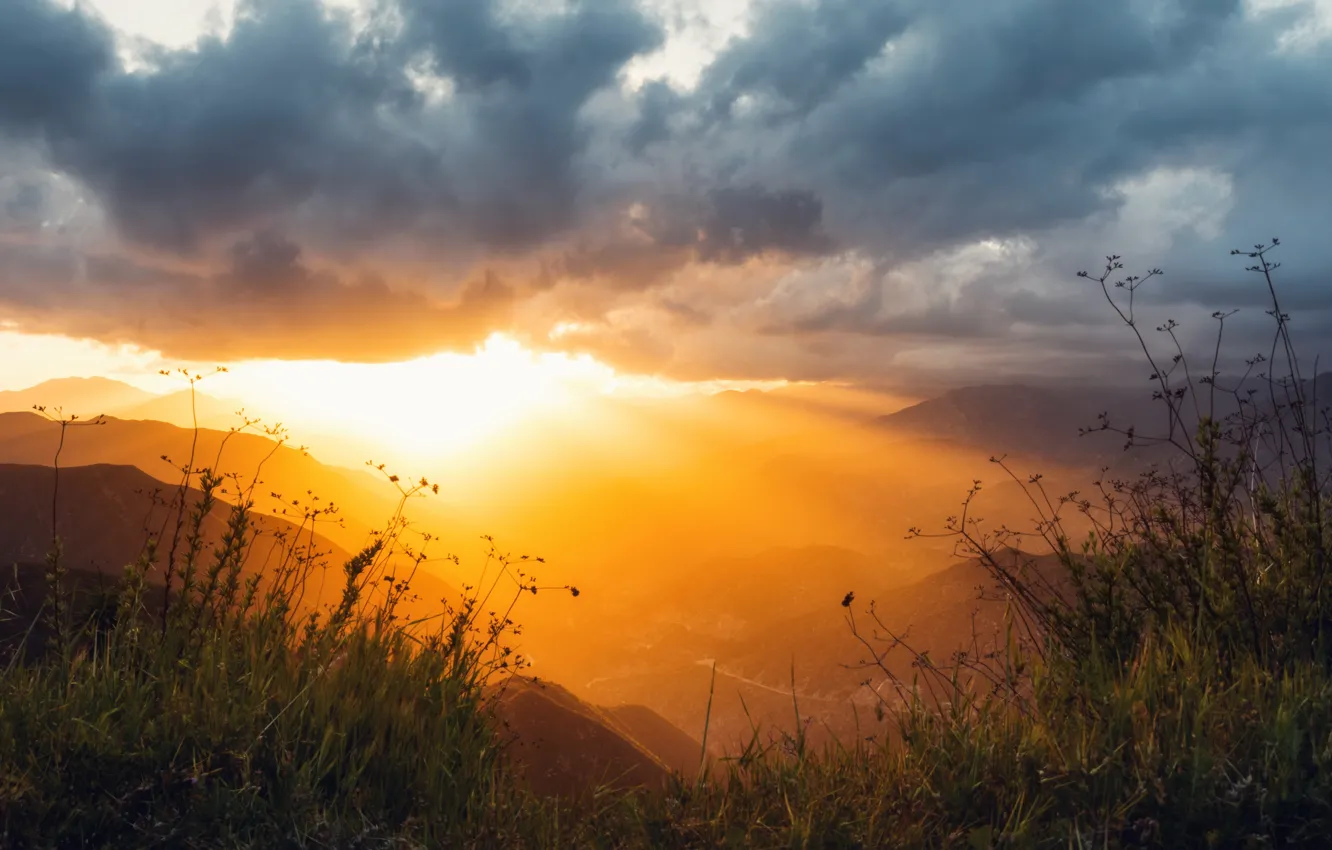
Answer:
(160, 449)
(106, 513)
(565, 746)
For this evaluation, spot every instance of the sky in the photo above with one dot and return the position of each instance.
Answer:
(868, 191)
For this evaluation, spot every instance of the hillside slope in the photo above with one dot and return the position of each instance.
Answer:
(106, 513)
(1037, 423)
(562, 745)
(160, 449)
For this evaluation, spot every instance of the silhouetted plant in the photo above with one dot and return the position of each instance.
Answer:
(1225, 533)
(1154, 615)
(56, 607)
(235, 706)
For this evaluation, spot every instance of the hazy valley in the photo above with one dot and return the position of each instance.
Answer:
(722, 529)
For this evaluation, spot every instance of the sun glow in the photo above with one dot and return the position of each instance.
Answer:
(427, 407)
(475, 408)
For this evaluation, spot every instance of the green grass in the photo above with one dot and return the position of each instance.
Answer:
(1168, 754)
(393, 749)
(257, 728)
(229, 712)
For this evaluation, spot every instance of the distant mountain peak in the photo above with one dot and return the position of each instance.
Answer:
(85, 397)
(1024, 419)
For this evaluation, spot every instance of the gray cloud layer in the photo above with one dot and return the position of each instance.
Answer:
(850, 185)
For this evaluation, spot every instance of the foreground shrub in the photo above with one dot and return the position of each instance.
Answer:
(1224, 536)
(243, 740)
(202, 704)
(1160, 756)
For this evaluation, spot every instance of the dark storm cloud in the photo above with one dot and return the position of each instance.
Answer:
(49, 60)
(1022, 119)
(798, 54)
(293, 122)
(523, 81)
(468, 43)
(657, 104)
(292, 110)
(728, 226)
(23, 207)
(240, 132)
(468, 131)
(1005, 117)
(743, 223)
(267, 302)
(944, 320)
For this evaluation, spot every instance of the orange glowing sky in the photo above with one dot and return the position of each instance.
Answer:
(426, 407)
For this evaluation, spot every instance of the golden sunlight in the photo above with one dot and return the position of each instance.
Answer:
(427, 407)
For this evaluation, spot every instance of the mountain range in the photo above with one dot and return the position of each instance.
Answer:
(1060, 425)
(88, 398)
(711, 537)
